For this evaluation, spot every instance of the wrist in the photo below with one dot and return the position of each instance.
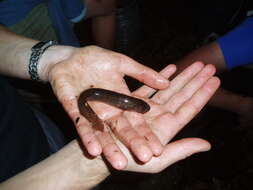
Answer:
(69, 168)
(50, 57)
(89, 171)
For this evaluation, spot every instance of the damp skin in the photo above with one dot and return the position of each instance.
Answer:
(112, 98)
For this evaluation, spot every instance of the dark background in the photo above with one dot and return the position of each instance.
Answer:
(157, 33)
(170, 30)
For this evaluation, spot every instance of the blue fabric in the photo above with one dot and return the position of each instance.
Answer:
(237, 45)
(61, 22)
(80, 17)
(13, 11)
(60, 11)
(72, 8)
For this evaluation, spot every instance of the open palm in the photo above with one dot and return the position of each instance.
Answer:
(100, 68)
(171, 110)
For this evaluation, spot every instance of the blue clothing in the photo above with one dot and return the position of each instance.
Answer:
(62, 13)
(237, 45)
(26, 135)
(22, 141)
(13, 11)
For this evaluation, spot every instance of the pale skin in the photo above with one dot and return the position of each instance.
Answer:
(72, 70)
(171, 110)
(224, 99)
(68, 81)
(209, 54)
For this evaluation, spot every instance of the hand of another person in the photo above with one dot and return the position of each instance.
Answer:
(94, 67)
(171, 110)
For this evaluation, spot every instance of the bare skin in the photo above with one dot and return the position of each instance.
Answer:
(208, 54)
(72, 70)
(71, 168)
(68, 80)
(224, 99)
(102, 13)
(175, 102)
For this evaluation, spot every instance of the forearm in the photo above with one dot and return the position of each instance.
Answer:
(15, 53)
(208, 54)
(212, 54)
(103, 28)
(68, 169)
(230, 101)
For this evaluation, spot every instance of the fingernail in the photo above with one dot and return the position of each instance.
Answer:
(95, 151)
(162, 81)
(119, 165)
(146, 154)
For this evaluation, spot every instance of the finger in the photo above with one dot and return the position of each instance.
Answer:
(189, 89)
(145, 91)
(139, 124)
(152, 140)
(185, 113)
(142, 73)
(66, 94)
(177, 83)
(130, 138)
(180, 150)
(173, 153)
(83, 127)
(111, 150)
(193, 106)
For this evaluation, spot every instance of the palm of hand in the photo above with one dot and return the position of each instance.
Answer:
(171, 110)
(96, 67)
(177, 105)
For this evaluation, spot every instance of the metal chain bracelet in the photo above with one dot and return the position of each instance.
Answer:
(37, 51)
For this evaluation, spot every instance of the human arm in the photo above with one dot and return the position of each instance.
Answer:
(103, 21)
(15, 51)
(210, 53)
(104, 31)
(70, 71)
(71, 168)
(229, 51)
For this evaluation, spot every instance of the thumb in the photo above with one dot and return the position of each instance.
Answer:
(142, 73)
(172, 153)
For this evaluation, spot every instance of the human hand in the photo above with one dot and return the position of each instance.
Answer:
(96, 67)
(171, 110)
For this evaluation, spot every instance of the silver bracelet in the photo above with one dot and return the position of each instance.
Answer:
(37, 51)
